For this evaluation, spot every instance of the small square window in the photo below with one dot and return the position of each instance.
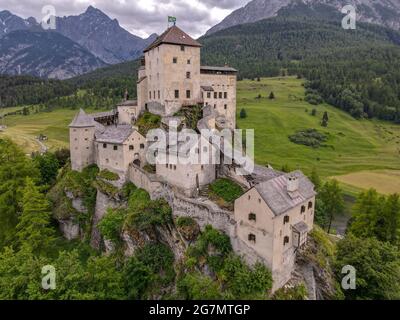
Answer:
(175, 60)
(208, 95)
(131, 147)
(252, 217)
(225, 106)
(105, 145)
(187, 75)
(115, 148)
(141, 146)
(252, 237)
(188, 62)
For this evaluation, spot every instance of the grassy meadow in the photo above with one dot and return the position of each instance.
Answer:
(367, 150)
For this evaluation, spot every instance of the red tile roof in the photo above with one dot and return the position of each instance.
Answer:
(174, 35)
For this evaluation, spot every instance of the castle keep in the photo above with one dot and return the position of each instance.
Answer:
(273, 217)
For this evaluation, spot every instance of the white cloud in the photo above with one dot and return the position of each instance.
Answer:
(141, 17)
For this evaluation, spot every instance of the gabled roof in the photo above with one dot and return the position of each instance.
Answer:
(114, 134)
(82, 120)
(275, 194)
(174, 35)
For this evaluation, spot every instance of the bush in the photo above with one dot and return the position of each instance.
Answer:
(108, 175)
(243, 114)
(297, 293)
(144, 214)
(309, 137)
(111, 224)
(195, 286)
(148, 121)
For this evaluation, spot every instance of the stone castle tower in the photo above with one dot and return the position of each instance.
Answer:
(82, 136)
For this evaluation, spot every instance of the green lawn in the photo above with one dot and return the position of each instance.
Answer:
(352, 146)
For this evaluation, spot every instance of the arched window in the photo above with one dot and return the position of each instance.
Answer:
(303, 209)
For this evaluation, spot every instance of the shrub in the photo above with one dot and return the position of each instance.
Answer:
(309, 137)
(243, 114)
(108, 175)
(144, 214)
(111, 224)
(148, 121)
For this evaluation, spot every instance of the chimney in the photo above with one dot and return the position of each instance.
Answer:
(292, 183)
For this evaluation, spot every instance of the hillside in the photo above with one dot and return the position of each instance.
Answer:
(385, 12)
(44, 54)
(352, 145)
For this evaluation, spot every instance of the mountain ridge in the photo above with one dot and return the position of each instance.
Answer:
(385, 13)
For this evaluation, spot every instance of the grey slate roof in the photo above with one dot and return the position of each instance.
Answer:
(102, 114)
(82, 120)
(114, 134)
(301, 227)
(275, 194)
(207, 88)
(222, 69)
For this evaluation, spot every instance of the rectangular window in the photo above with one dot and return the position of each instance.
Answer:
(285, 240)
(182, 48)
(220, 95)
(175, 60)
(176, 94)
(131, 147)
(104, 145)
(286, 219)
(188, 62)
(303, 209)
(187, 94)
(115, 148)
(215, 95)
(150, 95)
(252, 217)
(225, 106)
(208, 95)
(187, 75)
(141, 146)
(159, 95)
(154, 94)
(252, 237)
(225, 95)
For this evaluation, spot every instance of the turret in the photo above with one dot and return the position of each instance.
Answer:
(82, 135)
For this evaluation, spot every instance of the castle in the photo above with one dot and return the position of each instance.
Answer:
(273, 217)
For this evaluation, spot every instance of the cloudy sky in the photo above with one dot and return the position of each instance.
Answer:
(141, 17)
